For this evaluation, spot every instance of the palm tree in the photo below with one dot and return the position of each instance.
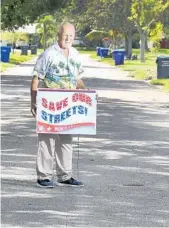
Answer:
(47, 28)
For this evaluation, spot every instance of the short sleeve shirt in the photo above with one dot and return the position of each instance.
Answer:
(57, 70)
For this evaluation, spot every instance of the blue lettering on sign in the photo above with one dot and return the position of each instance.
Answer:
(63, 116)
(44, 115)
(81, 109)
(74, 109)
(51, 118)
(57, 118)
(68, 113)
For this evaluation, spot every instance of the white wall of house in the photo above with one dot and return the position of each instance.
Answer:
(27, 29)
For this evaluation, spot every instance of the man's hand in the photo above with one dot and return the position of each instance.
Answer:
(34, 86)
(33, 109)
(80, 84)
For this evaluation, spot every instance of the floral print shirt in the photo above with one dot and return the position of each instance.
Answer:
(57, 70)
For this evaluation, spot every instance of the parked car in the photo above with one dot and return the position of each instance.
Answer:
(78, 42)
(20, 44)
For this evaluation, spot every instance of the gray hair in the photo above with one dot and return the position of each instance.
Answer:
(62, 25)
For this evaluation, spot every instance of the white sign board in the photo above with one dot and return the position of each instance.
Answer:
(62, 111)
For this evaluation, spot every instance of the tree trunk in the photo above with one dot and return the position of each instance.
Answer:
(44, 35)
(146, 44)
(142, 47)
(128, 44)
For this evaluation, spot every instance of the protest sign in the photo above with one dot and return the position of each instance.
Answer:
(66, 111)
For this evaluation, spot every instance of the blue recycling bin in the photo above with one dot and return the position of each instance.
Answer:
(5, 53)
(33, 49)
(104, 52)
(98, 51)
(24, 50)
(118, 56)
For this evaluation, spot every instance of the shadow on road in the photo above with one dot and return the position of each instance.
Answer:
(124, 167)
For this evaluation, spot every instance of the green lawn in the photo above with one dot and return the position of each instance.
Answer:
(149, 64)
(162, 82)
(140, 70)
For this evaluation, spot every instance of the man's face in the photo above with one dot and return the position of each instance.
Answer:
(66, 36)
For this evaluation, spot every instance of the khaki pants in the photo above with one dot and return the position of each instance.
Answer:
(54, 147)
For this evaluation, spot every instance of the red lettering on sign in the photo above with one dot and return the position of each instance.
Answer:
(54, 106)
(82, 97)
(51, 106)
(44, 103)
(65, 102)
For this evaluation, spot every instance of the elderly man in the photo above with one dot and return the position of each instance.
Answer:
(58, 67)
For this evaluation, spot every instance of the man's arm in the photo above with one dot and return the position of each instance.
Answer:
(34, 87)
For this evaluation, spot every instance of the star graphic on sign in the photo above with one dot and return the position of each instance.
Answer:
(41, 128)
(49, 128)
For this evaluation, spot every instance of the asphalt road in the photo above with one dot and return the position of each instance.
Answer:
(125, 167)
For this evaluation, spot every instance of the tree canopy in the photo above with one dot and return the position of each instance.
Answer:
(16, 13)
(47, 28)
(143, 14)
(147, 18)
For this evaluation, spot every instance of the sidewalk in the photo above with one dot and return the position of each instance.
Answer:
(125, 167)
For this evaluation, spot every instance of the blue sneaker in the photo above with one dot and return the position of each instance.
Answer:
(46, 183)
(71, 182)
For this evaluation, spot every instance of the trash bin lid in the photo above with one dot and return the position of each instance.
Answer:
(102, 48)
(118, 51)
(5, 48)
(163, 57)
